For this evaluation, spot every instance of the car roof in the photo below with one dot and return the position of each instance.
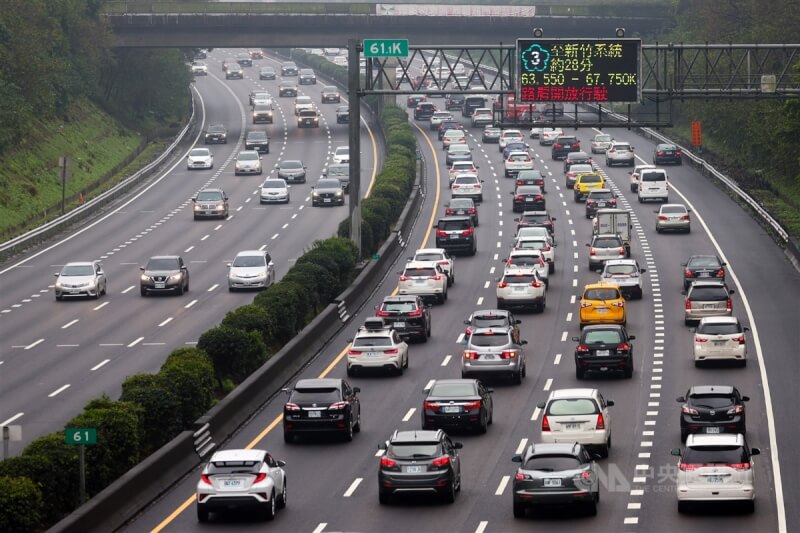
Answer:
(721, 439)
(493, 330)
(539, 212)
(164, 257)
(415, 436)
(326, 383)
(708, 283)
(400, 298)
(631, 262)
(454, 381)
(600, 285)
(600, 190)
(711, 389)
(238, 455)
(719, 320)
(579, 153)
(421, 264)
(562, 394)
(81, 263)
(251, 252)
(548, 448)
(605, 236)
(524, 252)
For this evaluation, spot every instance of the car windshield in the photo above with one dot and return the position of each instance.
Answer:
(606, 242)
(419, 272)
(209, 196)
(199, 152)
(666, 147)
(602, 337)
(249, 261)
(216, 128)
(673, 209)
(708, 294)
(329, 90)
(451, 225)
(591, 178)
(566, 140)
(710, 455)
(78, 270)
(399, 307)
(702, 262)
(287, 84)
(248, 156)
(267, 70)
(372, 342)
(621, 269)
(342, 150)
(321, 395)
(413, 450)
(453, 390)
(328, 184)
(274, 184)
(711, 401)
(553, 463)
(719, 329)
(257, 135)
(338, 170)
(489, 339)
(535, 218)
(291, 165)
(164, 263)
(602, 294)
(577, 169)
(572, 406)
(602, 138)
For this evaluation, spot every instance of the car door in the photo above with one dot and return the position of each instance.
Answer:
(353, 402)
(99, 277)
(606, 414)
(487, 399)
(184, 270)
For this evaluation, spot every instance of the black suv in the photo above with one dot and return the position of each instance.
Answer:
(712, 409)
(458, 404)
(419, 461)
(164, 273)
(343, 114)
(321, 405)
(216, 134)
(424, 111)
(306, 76)
(604, 348)
(456, 234)
(408, 315)
(257, 140)
(563, 145)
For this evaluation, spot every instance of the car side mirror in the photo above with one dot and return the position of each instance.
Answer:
(458, 446)
(587, 244)
(140, 268)
(277, 165)
(677, 452)
(184, 267)
(630, 172)
(746, 329)
(683, 292)
(518, 322)
(55, 274)
(731, 291)
(225, 198)
(285, 391)
(688, 210)
(229, 265)
(490, 391)
(523, 341)
(755, 451)
(356, 389)
(745, 398)
(680, 399)
(516, 459)
(540, 405)
(642, 270)
(553, 219)
(465, 322)
(194, 200)
(631, 337)
(655, 211)
(576, 339)
(683, 264)
(610, 403)
(280, 463)
(383, 445)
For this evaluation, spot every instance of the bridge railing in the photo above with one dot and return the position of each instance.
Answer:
(311, 8)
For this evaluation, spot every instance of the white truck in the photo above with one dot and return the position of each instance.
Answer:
(615, 221)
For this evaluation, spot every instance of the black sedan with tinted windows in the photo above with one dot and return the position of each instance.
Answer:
(327, 191)
(712, 409)
(667, 153)
(462, 207)
(529, 177)
(703, 267)
(457, 404)
(604, 348)
(408, 315)
(287, 88)
(598, 199)
(321, 405)
(528, 198)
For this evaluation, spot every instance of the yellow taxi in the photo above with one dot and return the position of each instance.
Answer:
(585, 183)
(602, 303)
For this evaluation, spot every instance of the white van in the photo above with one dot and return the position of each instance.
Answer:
(653, 185)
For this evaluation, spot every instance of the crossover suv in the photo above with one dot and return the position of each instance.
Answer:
(81, 278)
(707, 298)
(234, 71)
(424, 278)
(521, 289)
(493, 318)
(287, 88)
(462, 206)
(251, 269)
(408, 315)
(164, 273)
(458, 404)
(321, 406)
(262, 112)
(216, 134)
(712, 409)
(199, 68)
(620, 153)
(605, 246)
(563, 145)
(377, 346)
(440, 255)
(307, 118)
(456, 234)
(210, 203)
(625, 274)
(720, 338)
(604, 348)
(258, 141)
(493, 352)
(576, 158)
(577, 415)
(330, 95)
(327, 191)
(289, 68)
(343, 114)
(266, 73)
(306, 76)
(467, 186)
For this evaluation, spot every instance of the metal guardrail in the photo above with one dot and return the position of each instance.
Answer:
(67, 218)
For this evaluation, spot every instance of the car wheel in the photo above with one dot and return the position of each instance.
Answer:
(640, 199)
(519, 510)
(687, 322)
(516, 378)
(351, 372)
(282, 497)
(449, 495)
(348, 433)
(551, 268)
(688, 229)
(633, 188)
(384, 497)
(684, 435)
(579, 373)
(357, 426)
(683, 507)
(629, 370)
(483, 425)
(449, 281)
(288, 437)
(59, 298)
(143, 291)
(591, 508)
(180, 289)
(605, 448)
(105, 288)
(608, 163)
(269, 512)
(202, 514)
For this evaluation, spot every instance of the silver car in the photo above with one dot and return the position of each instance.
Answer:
(601, 142)
(241, 479)
(603, 247)
(673, 217)
(251, 269)
(274, 190)
(707, 298)
(492, 351)
(248, 162)
(291, 170)
(625, 274)
(82, 278)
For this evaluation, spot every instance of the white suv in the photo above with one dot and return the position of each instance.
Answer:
(620, 154)
(716, 468)
(509, 136)
(247, 162)
(516, 162)
(302, 103)
(440, 255)
(637, 170)
(521, 288)
(720, 337)
(577, 415)
(653, 185)
(341, 155)
(467, 186)
(424, 278)
(528, 260)
(482, 117)
(377, 346)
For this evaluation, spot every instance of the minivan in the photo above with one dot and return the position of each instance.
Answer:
(653, 185)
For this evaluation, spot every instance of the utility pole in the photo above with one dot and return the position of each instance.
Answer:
(353, 82)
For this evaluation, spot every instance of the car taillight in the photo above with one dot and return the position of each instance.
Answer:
(355, 352)
(443, 263)
(735, 410)
(521, 477)
(508, 354)
(586, 475)
(740, 340)
(591, 202)
(468, 331)
(391, 351)
(403, 278)
(440, 233)
(689, 411)
(700, 339)
(601, 422)
(431, 406)
(441, 462)
(467, 232)
(437, 277)
(382, 313)
(536, 284)
(688, 304)
(659, 153)
(472, 211)
(520, 183)
(519, 198)
(592, 252)
(470, 354)
(545, 424)
(259, 478)
(337, 405)
(728, 304)
(388, 463)
(537, 197)
(292, 407)
(612, 202)
(720, 273)
(416, 312)
(448, 211)
(618, 304)
(502, 285)
(688, 273)
(677, 152)
(740, 466)
(688, 467)
(624, 347)
(662, 217)
(582, 348)
(204, 479)
(685, 217)
(456, 186)
(472, 405)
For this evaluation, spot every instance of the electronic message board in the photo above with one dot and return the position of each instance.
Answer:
(579, 70)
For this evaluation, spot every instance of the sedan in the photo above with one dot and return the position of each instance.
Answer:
(673, 217)
(457, 404)
(83, 278)
(667, 153)
(327, 191)
(574, 172)
(604, 348)
(548, 135)
(462, 206)
(251, 269)
(576, 158)
(274, 190)
(200, 158)
(528, 198)
(246, 479)
(453, 137)
(330, 95)
(287, 88)
(529, 177)
(247, 162)
(712, 409)
(703, 267)
(491, 134)
(493, 318)
(601, 142)
(720, 338)
(438, 117)
(605, 246)
(292, 170)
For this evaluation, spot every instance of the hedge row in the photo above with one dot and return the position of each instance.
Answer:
(154, 408)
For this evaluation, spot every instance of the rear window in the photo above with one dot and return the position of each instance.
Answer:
(466, 180)
(602, 337)
(433, 256)
(489, 339)
(719, 329)
(591, 178)
(209, 196)
(453, 389)
(524, 260)
(601, 195)
(249, 261)
(566, 140)
(535, 218)
(274, 184)
(699, 262)
(399, 307)
(577, 169)
(78, 270)
(371, 342)
(531, 245)
(654, 176)
(623, 147)
(529, 189)
(461, 203)
(234, 467)
(620, 269)
(709, 455)
(320, 395)
(607, 293)
(529, 174)
(519, 279)
(420, 272)
(308, 113)
(413, 450)
(489, 321)
(572, 406)
(450, 225)
(553, 463)
(708, 294)
(518, 157)
(711, 401)
(672, 209)
(606, 242)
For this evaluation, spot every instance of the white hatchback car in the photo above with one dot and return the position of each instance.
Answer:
(577, 415)
(233, 479)
(440, 255)
(200, 158)
(521, 288)
(716, 468)
(251, 269)
(424, 278)
(341, 155)
(377, 346)
(467, 186)
(720, 337)
(620, 154)
(303, 103)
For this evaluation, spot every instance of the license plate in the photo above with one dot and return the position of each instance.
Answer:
(489, 356)
(461, 212)
(315, 414)
(714, 479)
(601, 311)
(232, 483)
(160, 285)
(373, 354)
(327, 200)
(451, 409)
(601, 353)
(719, 343)
(413, 469)
(552, 482)
(704, 275)
(574, 426)
(454, 236)
(528, 199)
(709, 306)
(398, 325)
(712, 429)
(420, 282)
(603, 369)
(519, 289)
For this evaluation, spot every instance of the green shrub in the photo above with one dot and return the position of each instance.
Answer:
(323, 285)
(55, 470)
(160, 416)
(235, 353)
(21, 506)
(327, 260)
(344, 252)
(252, 317)
(191, 375)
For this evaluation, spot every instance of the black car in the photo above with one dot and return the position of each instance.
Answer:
(462, 207)
(292, 170)
(456, 234)
(262, 113)
(553, 109)
(448, 125)
(164, 273)
(604, 348)
(529, 177)
(563, 145)
(712, 409)
(555, 474)
(330, 95)
(667, 153)
(424, 111)
(216, 134)
(234, 71)
(288, 68)
(457, 404)
(419, 461)
(257, 140)
(321, 406)
(244, 59)
(491, 135)
(307, 118)
(493, 318)
(599, 199)
(536, 218)
(327, 191)
(703, 267)
(528, 198)
(454, 101)
(343, 114)
(576, 158)
(408, 315)
(287, 88)
(306, 76)
(266, 73)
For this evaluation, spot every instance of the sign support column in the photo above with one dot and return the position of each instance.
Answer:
(353, 82)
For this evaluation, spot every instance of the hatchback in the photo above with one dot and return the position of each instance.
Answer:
(530, 177)
(164, 273)
(200, 158)
(408, 315)
(598, 199)
(306, 76)
(707, 298)
(576, 158)
(81, 278)
(247, 162)
(720, 337)
(602, 303)
(462, 207)
(577, 416)
(601, 142)
(456, 234)
(542, 244)
(377, 346)
(457, 404)
(424, 278)
(673, 217)
(251, 269)
(494, 352)
(605, 246)
(521, 289)
(604, 348)
(467, 186)
(712, 409)
(321, 406)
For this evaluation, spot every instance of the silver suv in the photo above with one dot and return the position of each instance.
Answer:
(707, 298)
(603, 247)
(493, 351)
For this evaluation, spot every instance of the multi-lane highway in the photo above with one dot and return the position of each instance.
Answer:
(55, 356)
(333, 484)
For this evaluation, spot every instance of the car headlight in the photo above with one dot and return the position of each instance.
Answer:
(339, 193)
(315, 194)
(145, 277)
(197, 207)
(175, 277)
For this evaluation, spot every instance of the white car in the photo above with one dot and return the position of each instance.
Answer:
(720, 337)
(467, 186)
(534, 231)
(199, 158)
(340, 60)
(516, 162)
(637, 170)
(377, 346)
(82, 278)
(424, 278)
(625, 274)
(577, 415)
(251, 269)
(509, 136)
(601, 142)
(246, 479)
(461, 167)
(303, 103)
(653, 185)
(438, 117)
(341, 155)
(521, 289)
(543, 244)
(247, 162)
(528, 261)
(444, 259)
(274, 190)
(620, 154)
(482, 117)
(716, 468)
(199, 68)
(549, 135)
(260, 97)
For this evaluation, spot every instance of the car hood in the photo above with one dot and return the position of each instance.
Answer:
(161, 272)
(199, 157)
(248, 163)
(266, 190)
(248, 272)
(75, 280)
(331, 190)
